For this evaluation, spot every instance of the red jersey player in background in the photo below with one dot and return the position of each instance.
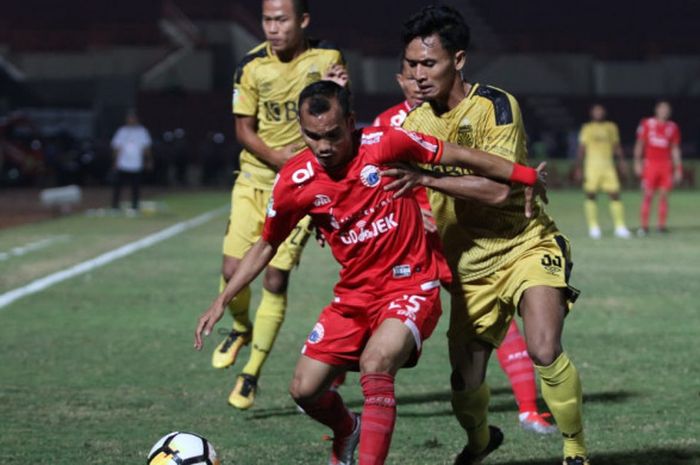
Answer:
(387, 301)
(512, 353)
(657, 160)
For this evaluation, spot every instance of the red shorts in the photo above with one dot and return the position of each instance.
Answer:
(343, 329)
(657, 176)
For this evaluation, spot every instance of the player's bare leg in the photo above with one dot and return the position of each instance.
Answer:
(591, 210)
(543, 310)
(310, 390)
(647, 199)
(617, 212)
(470, 399)
(389, 348)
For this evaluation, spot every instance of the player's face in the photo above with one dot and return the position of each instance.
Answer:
(329, 135)
(409, 86)
(663, 111)
(284, 28)
(597, 113)
(434, 68)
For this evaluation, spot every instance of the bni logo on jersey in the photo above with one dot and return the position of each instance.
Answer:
(370, 176)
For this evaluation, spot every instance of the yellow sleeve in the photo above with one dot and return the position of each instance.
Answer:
(504, 134)
(583, 135)
(614, 134)
(245, 92)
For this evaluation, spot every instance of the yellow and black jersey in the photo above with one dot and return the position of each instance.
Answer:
(479, 239)
(269, 89)
(599, 138)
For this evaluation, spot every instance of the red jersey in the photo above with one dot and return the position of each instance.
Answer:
(394, 116)
(658, 137)
(379, 241)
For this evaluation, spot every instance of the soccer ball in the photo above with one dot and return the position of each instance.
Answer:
(178, 448)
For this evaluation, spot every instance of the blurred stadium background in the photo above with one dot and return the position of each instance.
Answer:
(96, 369)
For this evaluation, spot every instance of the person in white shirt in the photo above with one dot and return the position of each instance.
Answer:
(131, 147)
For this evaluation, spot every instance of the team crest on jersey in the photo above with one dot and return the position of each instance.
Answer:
(465, 133)
(370, 176)
(316, 334)
(321, 200)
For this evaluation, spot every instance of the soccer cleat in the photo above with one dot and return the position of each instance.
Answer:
(533, 421)
(622, 232)
(343, 451)
(642, 232)
(495, 440)
(243, 395)
(578, 460)
(226, 352)
(594, 232)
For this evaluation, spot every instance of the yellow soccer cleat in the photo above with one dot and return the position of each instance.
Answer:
(243, 395)
(226, 352)
(578, 460)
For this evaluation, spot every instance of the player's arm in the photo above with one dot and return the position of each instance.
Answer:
(580, 156)
(247, 136)
(638, 157)
(677, 163)
(475, 188)
(252, 264)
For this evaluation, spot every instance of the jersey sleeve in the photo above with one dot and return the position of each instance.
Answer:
(503, 128)
(642, 130)
(403, 145)
(283, 212)
(245, 92)
(583, 135)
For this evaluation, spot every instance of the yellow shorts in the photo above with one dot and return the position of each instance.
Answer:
(483, 308)
(601, 180)
(245, 225)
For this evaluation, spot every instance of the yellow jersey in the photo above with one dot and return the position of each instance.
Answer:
(599, 139)
(269, 89)
(480, 239)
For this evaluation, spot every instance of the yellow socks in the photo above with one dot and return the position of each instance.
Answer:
(238, 308)
(268, 320)
(617, 211)
(561, 390)
(470, 408)
(590, 207)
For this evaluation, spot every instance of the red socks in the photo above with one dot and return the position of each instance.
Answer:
(330, 410)
(646, 207)
(378, 417)
(517, 365)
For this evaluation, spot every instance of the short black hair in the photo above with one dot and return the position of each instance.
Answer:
(442, 20)
(320, 94)
(301, 7)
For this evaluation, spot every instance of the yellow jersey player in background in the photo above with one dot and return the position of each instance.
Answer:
(599, 143)
(267, 85)
(503, 260)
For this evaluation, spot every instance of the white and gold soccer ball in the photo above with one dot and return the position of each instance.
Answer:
(179, 448)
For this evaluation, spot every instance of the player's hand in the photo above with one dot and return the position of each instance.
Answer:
(338, 74)
(578, 175)
(407, 177)
(319, 236)
(538, 190)
(428, 221)
(638, 169)
(281, 156)
(623, 169)
(206, 323)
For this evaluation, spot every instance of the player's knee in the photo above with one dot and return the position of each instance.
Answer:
(276, 280)
(544, 354)
(375, 361)
(590, 195)
(614, 196)
(302, 391)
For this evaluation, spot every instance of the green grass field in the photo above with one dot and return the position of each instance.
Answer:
(97, 368)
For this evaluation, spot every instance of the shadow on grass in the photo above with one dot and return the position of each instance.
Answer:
(505, 405)
(653, 456)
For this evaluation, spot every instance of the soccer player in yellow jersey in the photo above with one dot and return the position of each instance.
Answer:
(503, 261)
(267, 85)
(599, 141)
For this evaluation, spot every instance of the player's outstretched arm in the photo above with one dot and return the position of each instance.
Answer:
(462, 187)
(252, 264)
(247, 136)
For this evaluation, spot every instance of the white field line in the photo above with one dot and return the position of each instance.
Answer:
(47, 281)
(32, 247)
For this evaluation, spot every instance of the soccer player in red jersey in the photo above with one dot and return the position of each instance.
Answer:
(657, 161)
(387, 300)
(512, 353)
